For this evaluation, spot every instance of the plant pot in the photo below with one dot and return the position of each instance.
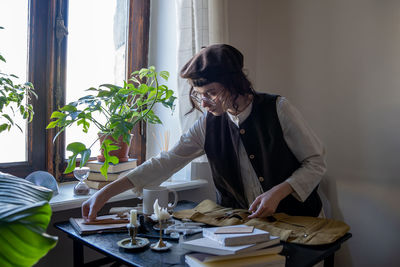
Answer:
(121, 153)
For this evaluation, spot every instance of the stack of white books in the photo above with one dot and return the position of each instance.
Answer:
(97, 181)
(238, 245)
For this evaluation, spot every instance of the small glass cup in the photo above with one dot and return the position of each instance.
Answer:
(81, 174)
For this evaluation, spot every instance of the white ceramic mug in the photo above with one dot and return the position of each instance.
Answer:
(150, 194)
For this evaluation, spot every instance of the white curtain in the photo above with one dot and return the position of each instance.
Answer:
(200, 23)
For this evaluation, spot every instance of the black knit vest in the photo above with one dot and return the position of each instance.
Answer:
(271, 158)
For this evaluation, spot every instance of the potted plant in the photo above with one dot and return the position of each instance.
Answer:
(120, 107)
(14, 99)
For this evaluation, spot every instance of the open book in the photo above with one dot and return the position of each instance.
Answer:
(106, 223)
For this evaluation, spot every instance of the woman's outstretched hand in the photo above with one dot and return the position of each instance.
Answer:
(265, 204)
(92, 206)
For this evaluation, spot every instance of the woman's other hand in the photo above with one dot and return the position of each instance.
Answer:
(265, 204)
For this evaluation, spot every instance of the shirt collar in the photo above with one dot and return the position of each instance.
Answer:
(242, 116)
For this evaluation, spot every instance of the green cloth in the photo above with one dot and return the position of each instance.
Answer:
(295, 229)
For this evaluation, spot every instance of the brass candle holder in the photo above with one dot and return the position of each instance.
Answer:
(133, 242)
(132, 230)
(160, 215)
(160, 244)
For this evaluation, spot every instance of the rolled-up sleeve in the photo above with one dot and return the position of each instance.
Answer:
(156, 170)
(306, 147)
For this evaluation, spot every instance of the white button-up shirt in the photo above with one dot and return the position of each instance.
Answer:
(301, 140)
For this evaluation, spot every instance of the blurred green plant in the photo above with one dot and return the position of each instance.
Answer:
(24, 216)
(114, 111)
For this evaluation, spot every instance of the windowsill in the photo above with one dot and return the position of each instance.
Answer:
(66, 199)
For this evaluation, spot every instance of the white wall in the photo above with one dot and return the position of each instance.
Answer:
(338, 62)
(163, 55)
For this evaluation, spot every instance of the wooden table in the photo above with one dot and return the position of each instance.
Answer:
(106, 243)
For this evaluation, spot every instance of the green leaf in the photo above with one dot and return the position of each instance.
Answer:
(164, 75)
(3, 127)
(22, 110)
(170, 102)
(71, 164)
(57, 114)
(85, 157)
(69, 108)
(152, 94)
(24, 216)
(28, 246)
(77, 148)
(106, 147)
(92, 89)
(84, 124)
(59, 132)
(143, 88)
(8, 118)
(135, 72)
(124, 91)
(52, 124)
(143, 72)
(169, 94)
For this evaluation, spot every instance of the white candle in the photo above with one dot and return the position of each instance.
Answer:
(133, 219)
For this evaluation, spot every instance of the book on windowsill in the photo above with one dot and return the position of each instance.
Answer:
(236, 235)
(97, 184)
(206, 245)
(106, 223)
(112, 168)
(262, 260)
(97, 176)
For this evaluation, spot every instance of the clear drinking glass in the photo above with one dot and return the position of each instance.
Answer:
(81, 174)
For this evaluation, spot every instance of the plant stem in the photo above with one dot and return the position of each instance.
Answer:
(152, 104)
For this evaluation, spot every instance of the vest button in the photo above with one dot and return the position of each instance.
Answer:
(261, 179)
(242, 131)
(251, 156)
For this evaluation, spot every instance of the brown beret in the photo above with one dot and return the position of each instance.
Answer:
(213, 61)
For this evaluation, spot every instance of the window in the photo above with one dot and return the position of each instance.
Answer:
(64, 40)
(14, 18)
(97, 43)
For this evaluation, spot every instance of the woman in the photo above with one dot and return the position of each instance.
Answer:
(262, 154)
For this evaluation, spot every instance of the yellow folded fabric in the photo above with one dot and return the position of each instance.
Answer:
(296, 229)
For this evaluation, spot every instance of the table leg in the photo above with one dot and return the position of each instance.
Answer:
(78, 253)
(330, 260)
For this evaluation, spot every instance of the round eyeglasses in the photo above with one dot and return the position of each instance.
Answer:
(198, 98)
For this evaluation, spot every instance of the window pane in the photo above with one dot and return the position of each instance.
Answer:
(13, 47)
(96, 53)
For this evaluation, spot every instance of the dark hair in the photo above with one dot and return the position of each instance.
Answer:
(235, 83)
